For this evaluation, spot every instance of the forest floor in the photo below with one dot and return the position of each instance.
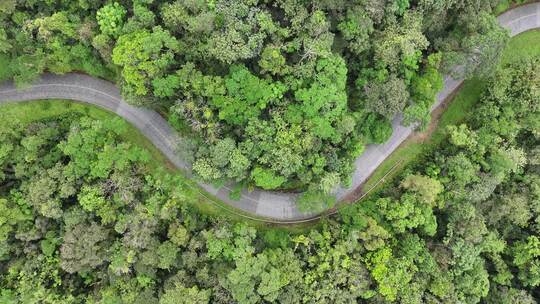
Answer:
(452, 111)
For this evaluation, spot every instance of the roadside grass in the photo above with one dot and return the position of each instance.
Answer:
(505, 5)
(5, 71)
(456, 111)
(29, 111)
(523, 46)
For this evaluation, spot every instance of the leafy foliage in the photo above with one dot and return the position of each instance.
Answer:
(278, 94)
(299, 87)
(111, 18)
(84, 220)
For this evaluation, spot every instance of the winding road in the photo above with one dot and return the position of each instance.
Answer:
(277, 206)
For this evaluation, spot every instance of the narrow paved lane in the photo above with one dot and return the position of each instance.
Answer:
(274, 205)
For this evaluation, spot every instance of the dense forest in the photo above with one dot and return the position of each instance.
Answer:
(84, 220)
(278, 94)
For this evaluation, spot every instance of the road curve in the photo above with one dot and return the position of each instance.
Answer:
(277, 206)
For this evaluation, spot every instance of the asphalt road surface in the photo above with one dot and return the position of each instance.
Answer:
(267, 204)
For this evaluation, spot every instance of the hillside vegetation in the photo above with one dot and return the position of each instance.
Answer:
(84, 220)
(275, 94)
